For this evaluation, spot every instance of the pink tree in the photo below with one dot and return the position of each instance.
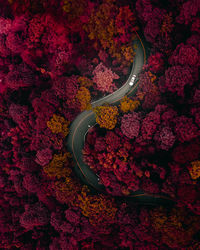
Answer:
(104, 77)
(5, 25)
(130, 125)
(165, 138)
(43, 156)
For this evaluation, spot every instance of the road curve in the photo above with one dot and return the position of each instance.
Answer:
(79, 128)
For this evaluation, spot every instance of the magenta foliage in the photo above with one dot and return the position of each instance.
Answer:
(185, 153)
(44, 52)
(65, 87)
(100, 144)
(16, 37)
(156, 62)
(194, 41)
(19, 114)
(5, 25)
(196, 25)
(31, 182)
(19, 76)
(130, 125)
(185, 129)
(4, 50)
(165, 138)
(34, 215)
(188, 10)
(184, 54)
(196, 113)
(177, 77)
(149, 125)
(112, 140)
(43, 156)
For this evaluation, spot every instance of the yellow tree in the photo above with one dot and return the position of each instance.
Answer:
(85, 82)
(66, 190)
(74, 9)
(84, 97)
(58, 124)
(106, 116)
(127, 104)
(194, 170)
(98, 208)
(59, 166)
(172, 224)
(111, 27)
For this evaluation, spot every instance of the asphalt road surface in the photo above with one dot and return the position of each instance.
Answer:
(85, 120)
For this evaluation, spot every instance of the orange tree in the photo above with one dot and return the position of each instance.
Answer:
(127, 104)
(177, 227)
(85, 82)
(111, 27)
(84, 97)
(194, 170)
(98, 208)
(106, 116)
(58, 124)
(59, 166)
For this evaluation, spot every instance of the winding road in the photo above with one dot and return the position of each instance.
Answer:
(85, 120)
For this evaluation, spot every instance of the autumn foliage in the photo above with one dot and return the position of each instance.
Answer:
(56, 58)
(127, 104)
(106, 116)
(84, 97)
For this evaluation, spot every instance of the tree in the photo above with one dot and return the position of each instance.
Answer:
(172, 226)
(66, 87)
(185, 129)
(19, 76)
(165, 138)
(194, 170)
(110, 28)
(130, 125)
(188, 10)
(106, 116)
(103, 77)
(84, 97)
(156, 62)
(15, 40)
(100, 209)
(43, 156)
(59, 166)
(127, 104)
(149, 125)
(177, 77)
(184, 55)
(58, 124)
(35, 215)
(5, 25)
(85, 82)
(186, 152)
